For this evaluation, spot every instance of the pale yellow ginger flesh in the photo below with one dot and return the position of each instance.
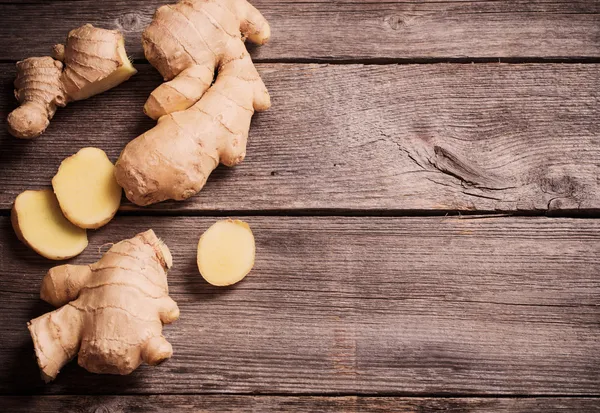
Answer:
(86, 188)
(93, 61)
(39, 223)
(200, 123)
(226, 252)
(118, 67)
(111, 312)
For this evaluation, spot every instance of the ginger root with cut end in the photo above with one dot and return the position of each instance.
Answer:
(226, 252)
(199, 125)
(93, 61)
(86, 188)
(112, 311)
(39, 223)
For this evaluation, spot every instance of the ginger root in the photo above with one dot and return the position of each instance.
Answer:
(86, 188)
(39, 223)
(94, 61)
(112, 311)
(226, 252)
(199, 125)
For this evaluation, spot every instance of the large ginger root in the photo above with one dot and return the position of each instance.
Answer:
(39, 223)
(94, 61)
(86, 188)
(112, 311)
(199, 125)
(226, 252)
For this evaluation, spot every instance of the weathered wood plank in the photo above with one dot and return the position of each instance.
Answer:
(352, 305)
(412, 137)
(265, 404)
(343, 30)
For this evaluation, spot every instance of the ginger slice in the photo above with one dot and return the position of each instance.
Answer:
(86, 188)
(226, 252)
(39, 223)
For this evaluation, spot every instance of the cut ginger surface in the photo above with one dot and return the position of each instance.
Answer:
(40, 224)
(92, 61)
(226, 252)
(86, 188)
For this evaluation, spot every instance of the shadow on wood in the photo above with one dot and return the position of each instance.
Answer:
(23, 372)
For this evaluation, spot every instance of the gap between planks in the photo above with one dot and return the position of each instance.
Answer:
(336, 395)
(393, 213)
(262, 404)
(409, 61)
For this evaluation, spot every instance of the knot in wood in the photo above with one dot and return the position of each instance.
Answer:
(561, 185)
(395, 22)
(130, 22)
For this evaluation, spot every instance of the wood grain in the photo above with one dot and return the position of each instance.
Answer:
(266, 404)
(439, 137)
(388, 306)
(343, 30)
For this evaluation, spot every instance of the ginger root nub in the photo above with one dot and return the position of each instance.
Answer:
(199, 125)
(112, 311)
(93, 61)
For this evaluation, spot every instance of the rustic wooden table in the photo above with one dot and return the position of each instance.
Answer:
(425, 226)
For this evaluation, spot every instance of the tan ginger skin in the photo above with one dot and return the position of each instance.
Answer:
(199, 125)
(111, 312)
(93, 61)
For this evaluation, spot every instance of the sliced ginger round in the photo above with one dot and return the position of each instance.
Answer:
(38, 221)
(226, 252)
(86, 188)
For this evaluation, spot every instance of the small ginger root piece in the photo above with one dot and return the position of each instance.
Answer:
(86, 188)
(226, 252)
(199, 125)
(93, 61)
(111, 312)
(39, 223)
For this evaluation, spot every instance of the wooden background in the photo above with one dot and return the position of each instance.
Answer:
(423, 192)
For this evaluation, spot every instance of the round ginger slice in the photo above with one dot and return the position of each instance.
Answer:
(40, 224)
(226, 252)
(86, 188)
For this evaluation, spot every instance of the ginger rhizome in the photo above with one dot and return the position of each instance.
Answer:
(40, 224)
(86, 188)
(199, 125)
(111, 312)
(92, 61)
(226, 252)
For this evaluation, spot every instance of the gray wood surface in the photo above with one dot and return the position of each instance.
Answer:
(344, 30)
(417, 306)
(266, 404)
(352, 314)
(484, 137)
